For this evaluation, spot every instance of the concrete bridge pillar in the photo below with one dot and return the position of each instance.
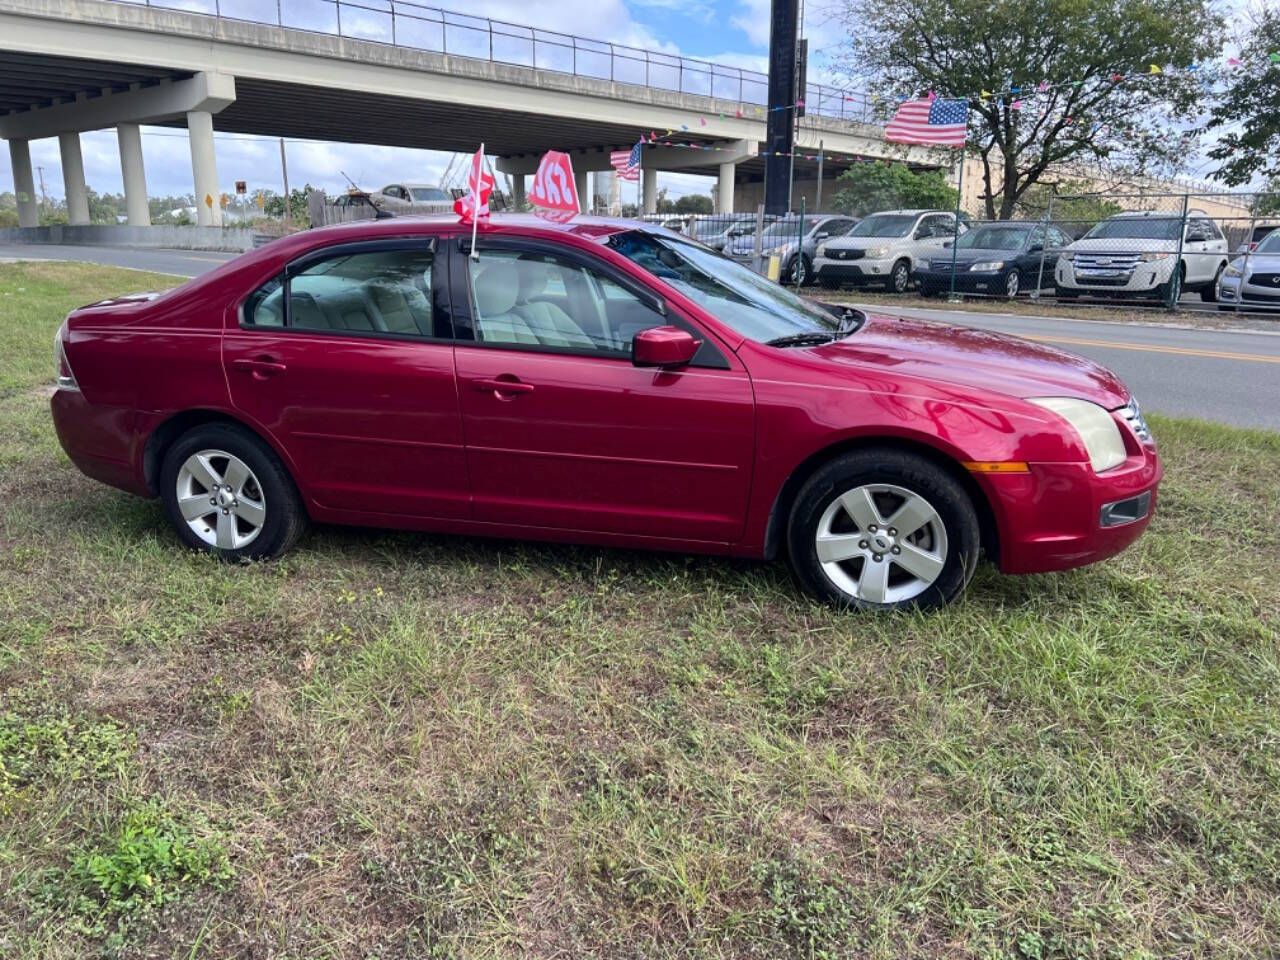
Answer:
(204, 168)
(23, 183)
(134, 174)
(724, 188)
(649, 188)
(73, 178)
(517, 191)
(582, 183)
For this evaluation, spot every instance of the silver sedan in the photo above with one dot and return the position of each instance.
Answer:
(1252, 281)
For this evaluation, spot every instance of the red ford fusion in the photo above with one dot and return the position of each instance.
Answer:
(602, 382)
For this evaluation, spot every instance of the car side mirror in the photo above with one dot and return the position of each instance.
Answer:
(663, 347)
(921, 235)
(948, 243)
(821, 235)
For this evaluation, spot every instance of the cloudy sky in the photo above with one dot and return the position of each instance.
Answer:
(727, 32)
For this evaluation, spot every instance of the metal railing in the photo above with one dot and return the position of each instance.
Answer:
(415, 26)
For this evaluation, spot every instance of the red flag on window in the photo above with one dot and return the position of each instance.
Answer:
(475, 203)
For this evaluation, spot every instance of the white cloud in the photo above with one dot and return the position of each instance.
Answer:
(753, 20)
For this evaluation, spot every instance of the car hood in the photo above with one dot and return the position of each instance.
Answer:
(975, 358)
(862, 243)
(973, 255)
(1258, 262)
(1124, 245)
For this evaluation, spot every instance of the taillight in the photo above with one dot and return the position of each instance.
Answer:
(66, 379)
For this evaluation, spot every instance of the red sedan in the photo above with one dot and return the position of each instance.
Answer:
(601, 382)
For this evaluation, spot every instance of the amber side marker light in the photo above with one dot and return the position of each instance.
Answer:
(996, 466)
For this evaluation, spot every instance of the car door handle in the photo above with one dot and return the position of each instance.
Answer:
(501, 385)
(260, 367)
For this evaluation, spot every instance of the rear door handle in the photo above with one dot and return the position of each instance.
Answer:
(500, 385)
(260, 367)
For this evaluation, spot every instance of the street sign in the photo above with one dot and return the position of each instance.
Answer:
(241, 187)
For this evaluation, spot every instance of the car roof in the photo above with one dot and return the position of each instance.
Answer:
(582, 225)
(1164, 214)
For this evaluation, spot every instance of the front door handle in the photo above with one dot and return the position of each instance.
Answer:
(260, 367)
(506, 384)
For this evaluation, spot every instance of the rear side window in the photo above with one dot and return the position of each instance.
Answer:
(372, 291)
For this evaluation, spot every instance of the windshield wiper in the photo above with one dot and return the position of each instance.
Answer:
(811, 339)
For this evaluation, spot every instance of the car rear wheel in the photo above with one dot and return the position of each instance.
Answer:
(226, 492)
(883, 530)
(1209, 294)
(900, 277)
(801, 272)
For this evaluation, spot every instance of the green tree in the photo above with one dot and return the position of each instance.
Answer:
(959, 48)
(1075, 208)
(1246, 117)
(694, 203)
(868, 187)
(1267, 203)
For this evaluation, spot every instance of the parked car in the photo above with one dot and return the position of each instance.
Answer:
(1253, 281)
(884, 248)
(996, 258)
(363, 202)
(605, 382)
(1145, 254)
(414, 198)
(716, 231)
(781, 238)
(1256, 236)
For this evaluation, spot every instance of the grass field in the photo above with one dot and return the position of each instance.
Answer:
(393, 745)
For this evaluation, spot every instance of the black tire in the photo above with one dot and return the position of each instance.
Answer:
(1170, 291)
(899, 277)
(828, 283)
(1012, 284)
(285, 517)
(1209, 294)
(912, 473)
(805, 268)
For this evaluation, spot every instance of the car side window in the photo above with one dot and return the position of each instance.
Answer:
(369, 291)
(1037, 237)
(938, 226)
(837, 228)
(535, 299)
(1057, 238)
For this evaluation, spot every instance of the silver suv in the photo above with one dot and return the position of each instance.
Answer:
(1136, 254)
(884, 248)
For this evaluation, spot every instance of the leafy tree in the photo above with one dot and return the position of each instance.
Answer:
(868, 187)
(693, 203)
(1267, 203)
(273, 205)
(961, 47)
(1251, 100)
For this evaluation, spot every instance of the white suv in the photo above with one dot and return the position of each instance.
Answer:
(1136, 254)
(883, 248)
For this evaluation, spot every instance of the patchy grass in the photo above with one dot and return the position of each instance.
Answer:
(393, 745)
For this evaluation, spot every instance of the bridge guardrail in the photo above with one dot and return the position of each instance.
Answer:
(404, 23)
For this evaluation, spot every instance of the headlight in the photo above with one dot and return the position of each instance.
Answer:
(1232, 270)
(878, 252)
(1095, 426)
(1148, 257)
(988, 266)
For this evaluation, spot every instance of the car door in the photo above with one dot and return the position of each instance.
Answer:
(347, 360)
(1197, 251)
(563, 431)
(931, 233)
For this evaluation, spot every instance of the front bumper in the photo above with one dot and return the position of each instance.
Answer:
(1144, 280)
(1241, 292)
(966, 281)
(854, 271)
(1063, 515)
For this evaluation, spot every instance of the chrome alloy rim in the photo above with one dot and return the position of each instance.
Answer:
(1011, 284)
(221, 499)
(881, 543)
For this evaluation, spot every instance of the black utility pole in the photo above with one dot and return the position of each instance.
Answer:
(779, 135)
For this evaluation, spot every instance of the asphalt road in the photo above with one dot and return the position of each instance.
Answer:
(1228, 376)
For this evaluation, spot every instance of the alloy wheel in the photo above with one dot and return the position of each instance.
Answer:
(220, 499)
(901, 277)
(881, 543)
(1011, 284)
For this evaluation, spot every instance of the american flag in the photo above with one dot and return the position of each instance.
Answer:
(929, 120)
(627, 162)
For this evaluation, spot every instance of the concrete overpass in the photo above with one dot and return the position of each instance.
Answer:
(70, 66)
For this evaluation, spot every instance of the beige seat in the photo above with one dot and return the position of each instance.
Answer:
(402, 306)
(496, 286)
(549, 323)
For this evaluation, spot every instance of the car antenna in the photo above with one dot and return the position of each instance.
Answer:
(355, 188)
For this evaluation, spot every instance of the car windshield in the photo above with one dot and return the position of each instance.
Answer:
(1269, 244)
(709, 228)
(884, 225)
(426, 194)
(737, 296)
(1136, 228)
(994, 238)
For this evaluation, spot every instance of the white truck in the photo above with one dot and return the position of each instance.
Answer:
(1145, 254)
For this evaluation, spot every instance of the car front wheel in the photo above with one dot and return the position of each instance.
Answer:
(900, 278)
(225, 491)
(883, 530)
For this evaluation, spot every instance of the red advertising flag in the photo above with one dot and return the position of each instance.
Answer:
(553, 185)
(475, 203)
